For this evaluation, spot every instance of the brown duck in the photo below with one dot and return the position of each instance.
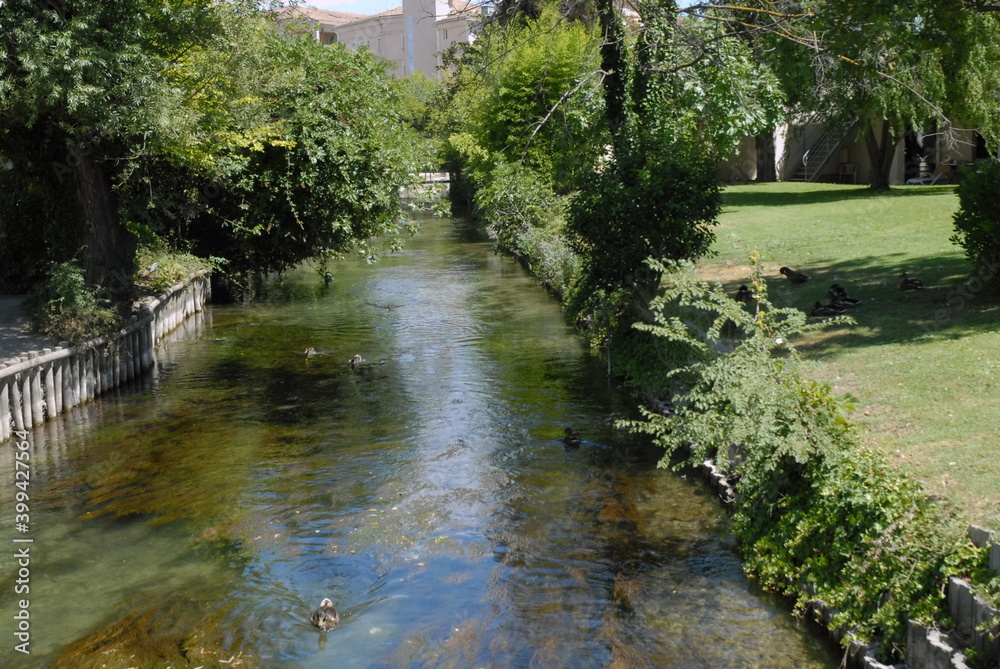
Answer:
(906, 283)
(325, 617)
(571, 440)
(825, 310)
(793, 276)
(839, 298)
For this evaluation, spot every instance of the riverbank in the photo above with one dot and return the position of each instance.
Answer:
(38, 385)
(920, 364)
(824, 544)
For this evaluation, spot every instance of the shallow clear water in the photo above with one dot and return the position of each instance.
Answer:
(198, 520)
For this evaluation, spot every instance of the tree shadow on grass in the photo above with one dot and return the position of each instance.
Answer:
(958, 301)
(767, 198)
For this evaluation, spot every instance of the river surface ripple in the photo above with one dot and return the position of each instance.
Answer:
(199, 518)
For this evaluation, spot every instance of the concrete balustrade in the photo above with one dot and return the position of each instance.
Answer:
(38, 386)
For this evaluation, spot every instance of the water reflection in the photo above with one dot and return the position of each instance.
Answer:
(426, 492)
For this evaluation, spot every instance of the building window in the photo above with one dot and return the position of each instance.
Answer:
(446, 33)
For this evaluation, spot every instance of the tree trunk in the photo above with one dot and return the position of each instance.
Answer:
(766, 170)
(881, 149)
(614, 64)
(108, 247)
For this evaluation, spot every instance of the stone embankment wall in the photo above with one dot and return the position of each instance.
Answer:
(40, 385)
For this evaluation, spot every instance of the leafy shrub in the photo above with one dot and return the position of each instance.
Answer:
(158, 267)
(977, 222)
(816, 515)
(64, 307)
(550, 258)
(657, 201)
(513, 200)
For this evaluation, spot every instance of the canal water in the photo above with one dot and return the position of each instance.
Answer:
(198, 519)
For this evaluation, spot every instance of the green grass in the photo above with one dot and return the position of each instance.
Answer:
(925, 368)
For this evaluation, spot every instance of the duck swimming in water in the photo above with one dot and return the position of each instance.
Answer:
(823, 310)
(571, 440)
(325, 617)
(310, 352)
(906, 283)
(356, 360)
(793, 276)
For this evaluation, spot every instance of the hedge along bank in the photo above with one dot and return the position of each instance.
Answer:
(819, 518)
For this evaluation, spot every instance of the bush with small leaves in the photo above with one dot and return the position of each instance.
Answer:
(977, 222)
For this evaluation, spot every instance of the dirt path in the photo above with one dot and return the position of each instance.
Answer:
(15, 340)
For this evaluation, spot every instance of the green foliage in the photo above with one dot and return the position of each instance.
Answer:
(159, 267)
(513, 201)
(719, 89)
(80, 85)
(741, 383)
(328, 181)
(192, 121)
(977, 222)
(65, 308)
(525, 218)
(817, 516)
(537, 105)
(418, 94)
(862, 538)
(655, 200)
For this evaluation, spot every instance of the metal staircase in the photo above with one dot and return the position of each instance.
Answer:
(819, 154)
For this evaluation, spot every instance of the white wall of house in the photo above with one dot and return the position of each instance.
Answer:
(451, 30)
(382, 34)
(420, 28)
(411, 36)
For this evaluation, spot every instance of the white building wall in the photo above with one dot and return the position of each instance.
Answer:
(420, 34)
(411, 36)
(382, 35)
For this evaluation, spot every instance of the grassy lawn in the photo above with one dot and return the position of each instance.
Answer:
(924, 365)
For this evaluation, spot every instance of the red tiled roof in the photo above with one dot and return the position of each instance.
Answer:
(321, 15)
(389, 12)
(463, 8)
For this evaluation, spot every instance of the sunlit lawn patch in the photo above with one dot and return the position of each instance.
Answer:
(923, 364)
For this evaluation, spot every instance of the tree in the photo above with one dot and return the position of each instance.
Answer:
(657, 194)
(890, 67)
(284, 149)
(527, 94)
(194, 120)
(977, 221)
(77, 94)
